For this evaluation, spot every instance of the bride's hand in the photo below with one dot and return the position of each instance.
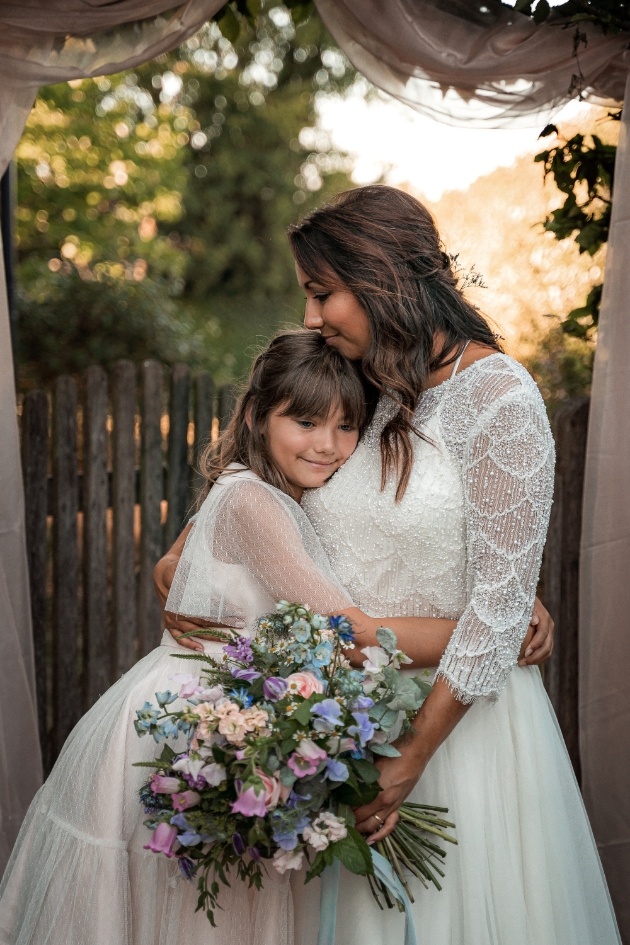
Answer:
(398, 778)
(538, 644)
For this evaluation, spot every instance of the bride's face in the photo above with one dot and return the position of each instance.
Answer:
(308, 450)
(337, 314)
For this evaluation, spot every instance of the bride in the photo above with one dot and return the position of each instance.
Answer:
(442, 512)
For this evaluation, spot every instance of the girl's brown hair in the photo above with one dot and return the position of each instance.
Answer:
(301, 374)
(383, 246)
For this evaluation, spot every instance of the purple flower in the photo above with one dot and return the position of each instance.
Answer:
(329, 709)
(241, 650)
(187, 867)
(179, 821)
(238, 844)
(274, 688)
(247, 675)
(162, 840)
(361, 703)
(336, 770)
(185, 799)
(254, 853)
(364, 729)
(249, 803)
(161, 784)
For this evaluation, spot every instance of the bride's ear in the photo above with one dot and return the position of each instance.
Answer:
(248, 417)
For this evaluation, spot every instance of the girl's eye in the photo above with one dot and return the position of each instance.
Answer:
(347, 428)
(305, 424)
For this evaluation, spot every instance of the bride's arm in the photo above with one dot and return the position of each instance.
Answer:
(511, 448)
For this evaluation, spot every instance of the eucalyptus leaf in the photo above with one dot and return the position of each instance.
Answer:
(387, 639)
(386, 750)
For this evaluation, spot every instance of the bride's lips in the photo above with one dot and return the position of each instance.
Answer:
(329, 338)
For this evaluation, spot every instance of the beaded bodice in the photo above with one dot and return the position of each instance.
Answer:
(466, 539)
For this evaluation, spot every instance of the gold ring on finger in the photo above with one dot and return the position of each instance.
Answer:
(376, 817)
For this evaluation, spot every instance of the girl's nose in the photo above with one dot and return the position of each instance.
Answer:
(312, 318)
(325, 440)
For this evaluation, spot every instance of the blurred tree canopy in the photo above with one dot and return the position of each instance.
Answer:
(174, 184)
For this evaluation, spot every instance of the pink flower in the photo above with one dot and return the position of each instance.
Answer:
(300, 766)
(250, 803)
(309, 750)
(161, 784)
(304, 684)
(162, 839)
(185, 799)
(284, 860)
(272, 787)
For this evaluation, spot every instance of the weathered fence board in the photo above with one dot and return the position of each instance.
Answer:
(97, 638)
(151, 489)
(66, 688)
(35, 470)
(561, 568)
(123, 395)
(227, 402)
(204, 413)
(178, 468)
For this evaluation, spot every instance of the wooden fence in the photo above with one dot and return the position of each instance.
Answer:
(109, 478)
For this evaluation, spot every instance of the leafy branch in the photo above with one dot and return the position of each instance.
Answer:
(583, 169)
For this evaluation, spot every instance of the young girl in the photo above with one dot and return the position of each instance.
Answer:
(80, 873)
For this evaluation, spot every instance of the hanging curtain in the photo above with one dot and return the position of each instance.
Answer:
(42, 42)
(481, 64)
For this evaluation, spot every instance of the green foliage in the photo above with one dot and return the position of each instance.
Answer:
(583, 170)
(79, 317)
(610, 15)
(181, 175)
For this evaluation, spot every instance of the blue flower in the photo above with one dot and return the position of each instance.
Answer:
(336, 770)
(243, 697)
(322, 654)
(165, 698)
(187, 866)
(363, 730)
(343, 627)
(299, 651)
(301, 630)
(287, 840)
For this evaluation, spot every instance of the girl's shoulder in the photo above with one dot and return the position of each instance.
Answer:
(241, 490)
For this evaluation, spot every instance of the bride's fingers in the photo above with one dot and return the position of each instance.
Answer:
(379, 825)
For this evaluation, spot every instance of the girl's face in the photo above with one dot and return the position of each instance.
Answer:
(337, 314)
(309, 450)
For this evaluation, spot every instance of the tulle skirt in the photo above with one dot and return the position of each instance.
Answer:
(525, 872)
(79, 873)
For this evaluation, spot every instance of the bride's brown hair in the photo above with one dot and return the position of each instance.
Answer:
(301, 374)
(383, 246)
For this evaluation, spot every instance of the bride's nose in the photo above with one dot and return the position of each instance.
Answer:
(312, 318)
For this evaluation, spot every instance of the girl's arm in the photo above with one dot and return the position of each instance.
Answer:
(507, 463)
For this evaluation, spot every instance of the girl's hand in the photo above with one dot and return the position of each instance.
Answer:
(398, 778)
(538, 644)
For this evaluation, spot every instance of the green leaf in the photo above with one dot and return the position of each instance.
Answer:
(547, 130)
(366, 771)
(357, 796)
(229, 24)
(303, 713)
(386, 750)
(387, 639)
(542, 11)
(354, 853)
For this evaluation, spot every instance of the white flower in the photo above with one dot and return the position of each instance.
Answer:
(317, 839)
(377, 658)
(334, 826)
(284, 860)
(213, 774)
(188, 766)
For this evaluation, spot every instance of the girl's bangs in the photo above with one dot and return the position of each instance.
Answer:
(315, 390)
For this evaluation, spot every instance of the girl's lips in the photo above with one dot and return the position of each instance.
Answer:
(316, 464)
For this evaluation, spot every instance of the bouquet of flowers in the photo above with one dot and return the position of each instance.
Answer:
(274, 747)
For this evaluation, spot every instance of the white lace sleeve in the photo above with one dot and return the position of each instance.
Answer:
(250, 546)
(507, 459)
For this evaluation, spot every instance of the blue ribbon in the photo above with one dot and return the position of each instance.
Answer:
(330, 893)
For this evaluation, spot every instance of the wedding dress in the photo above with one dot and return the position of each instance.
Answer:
(466, 543)
(79, 873)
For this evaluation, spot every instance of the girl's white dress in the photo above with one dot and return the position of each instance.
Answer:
(465, 542)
